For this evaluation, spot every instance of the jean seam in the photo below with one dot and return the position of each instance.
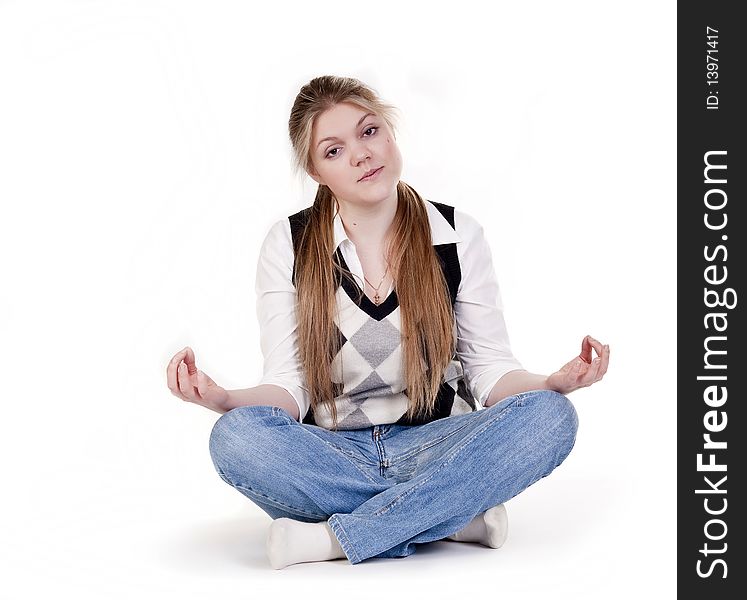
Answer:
(277, 411)
(270, 499)
(431, 444)
(453, 456)
(420, 449)
(349, 454)
(342, 537)
(347, 457)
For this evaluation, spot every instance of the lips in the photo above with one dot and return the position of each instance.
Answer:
(370, 174)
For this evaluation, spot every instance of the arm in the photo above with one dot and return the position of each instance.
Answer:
(189, 383)
(282, 382)
(263, 394)
(516, 382)
(581, 371)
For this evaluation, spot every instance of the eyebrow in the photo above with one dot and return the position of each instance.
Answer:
(363, 118)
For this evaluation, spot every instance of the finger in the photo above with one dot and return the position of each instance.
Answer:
(596, 345)
(591, 376)
(171, 371)
(575, 373)
(201, 384)
(185, 385)
(586, 349)
(605, 361)
(190, 360)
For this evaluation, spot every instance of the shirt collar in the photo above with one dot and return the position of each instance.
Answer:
(441, 231)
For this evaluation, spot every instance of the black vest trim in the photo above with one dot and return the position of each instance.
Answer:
(448, 254)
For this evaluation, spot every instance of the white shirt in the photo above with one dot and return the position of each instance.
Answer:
(483, 346)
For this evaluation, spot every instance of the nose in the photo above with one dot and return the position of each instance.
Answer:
(360, 154)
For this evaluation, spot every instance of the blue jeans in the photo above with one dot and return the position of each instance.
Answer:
(386, 488)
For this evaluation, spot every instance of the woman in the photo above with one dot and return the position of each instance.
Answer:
(391, 411)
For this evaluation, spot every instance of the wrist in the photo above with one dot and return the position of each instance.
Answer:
(556, 384)
(227, 401)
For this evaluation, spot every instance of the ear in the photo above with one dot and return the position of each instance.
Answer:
(315, 176)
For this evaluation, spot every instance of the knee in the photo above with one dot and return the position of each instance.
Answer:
(556, 417)
(233, 432)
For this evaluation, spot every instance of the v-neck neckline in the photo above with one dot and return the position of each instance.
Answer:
(352, 289)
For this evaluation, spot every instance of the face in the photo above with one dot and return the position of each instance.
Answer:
(347, 142)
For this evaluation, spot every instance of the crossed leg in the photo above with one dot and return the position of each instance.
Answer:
(292, 472)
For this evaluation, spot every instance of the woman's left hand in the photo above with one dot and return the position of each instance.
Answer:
(582, 371)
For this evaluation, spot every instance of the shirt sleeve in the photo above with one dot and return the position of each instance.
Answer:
(276, 313)
(483, 346)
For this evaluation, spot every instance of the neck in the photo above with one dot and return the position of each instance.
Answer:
(368, 225)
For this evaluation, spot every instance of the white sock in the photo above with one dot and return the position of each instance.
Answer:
(290, 542)
(489, 528)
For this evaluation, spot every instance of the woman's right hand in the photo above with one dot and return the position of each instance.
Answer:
(188, 383)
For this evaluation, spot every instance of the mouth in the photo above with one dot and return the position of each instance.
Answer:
(370, 175)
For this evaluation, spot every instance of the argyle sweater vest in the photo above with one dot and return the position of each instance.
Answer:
(368, 370)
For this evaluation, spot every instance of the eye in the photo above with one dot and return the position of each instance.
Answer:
(373, 128)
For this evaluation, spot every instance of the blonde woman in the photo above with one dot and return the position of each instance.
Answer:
(391, 411)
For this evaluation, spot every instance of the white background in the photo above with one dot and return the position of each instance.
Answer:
(144, 156)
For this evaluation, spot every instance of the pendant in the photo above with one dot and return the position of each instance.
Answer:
(376, 299)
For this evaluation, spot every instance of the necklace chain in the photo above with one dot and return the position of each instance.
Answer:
(377, 298)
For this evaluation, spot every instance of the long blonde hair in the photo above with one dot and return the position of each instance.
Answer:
(426, 313)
